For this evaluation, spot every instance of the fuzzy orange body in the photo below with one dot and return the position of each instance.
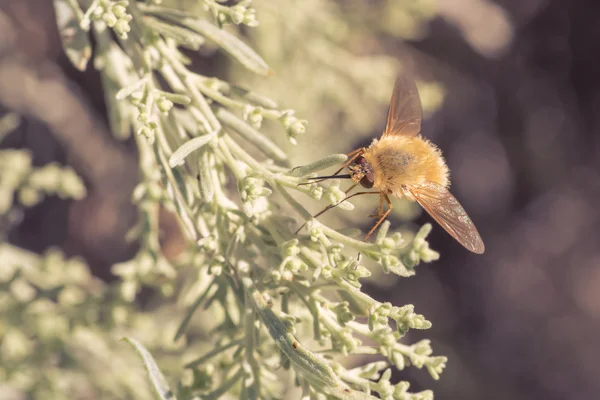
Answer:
(400, 161)
(404, 164)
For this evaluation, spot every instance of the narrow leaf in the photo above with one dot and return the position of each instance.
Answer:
(326, 162)
(228, 42)
(161, 11)
(183, 36)
(206, 181)
(158, 381)
(254, 136)
(119, 117)
(128, 90)
(191, 145)
(190, 313)
(175, 97)
(253, 97)
(312, 366)
(213, 352)
(75, 41)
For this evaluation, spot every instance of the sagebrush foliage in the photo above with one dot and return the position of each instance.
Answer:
(248, 296)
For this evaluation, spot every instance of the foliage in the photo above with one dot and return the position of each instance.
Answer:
(248, 296)
(20, 180)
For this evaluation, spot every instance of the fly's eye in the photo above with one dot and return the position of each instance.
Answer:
(367, 180)
(360, 160)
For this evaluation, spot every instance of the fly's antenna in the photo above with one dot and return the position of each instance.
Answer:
(317, 179)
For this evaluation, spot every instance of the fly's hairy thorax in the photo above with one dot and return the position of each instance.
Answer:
(398, 160)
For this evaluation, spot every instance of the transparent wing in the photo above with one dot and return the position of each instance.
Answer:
(405, 112)
(447, 211)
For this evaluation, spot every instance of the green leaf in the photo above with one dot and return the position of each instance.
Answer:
(183, 36)
(252, 97)
(75, 41)
(159, 383)
(326, 162)
(191, 145)
(312, 366)
(228, 42)
(206, 181)
(191, 311)
(254, 136)
(119, 117)
(161, 11)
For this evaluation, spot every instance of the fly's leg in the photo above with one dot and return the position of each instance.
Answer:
(383, 216)
(329, 207)
(379, 209)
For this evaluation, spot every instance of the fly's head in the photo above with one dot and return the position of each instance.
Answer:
(362, 172)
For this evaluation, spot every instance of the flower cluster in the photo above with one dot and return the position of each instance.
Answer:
(112, 14)
(239, 14)
(29, 185)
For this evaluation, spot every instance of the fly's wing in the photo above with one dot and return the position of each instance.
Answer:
(405, 112)
(447, 211)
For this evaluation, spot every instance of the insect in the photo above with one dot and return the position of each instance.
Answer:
(402, 163)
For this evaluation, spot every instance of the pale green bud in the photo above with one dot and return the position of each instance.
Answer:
(119, 11)
(122, 27)
(164, 105)
(29, 197)
(109, 19)
(237, 14)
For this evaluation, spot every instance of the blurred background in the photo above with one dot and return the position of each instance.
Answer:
(511, 91)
